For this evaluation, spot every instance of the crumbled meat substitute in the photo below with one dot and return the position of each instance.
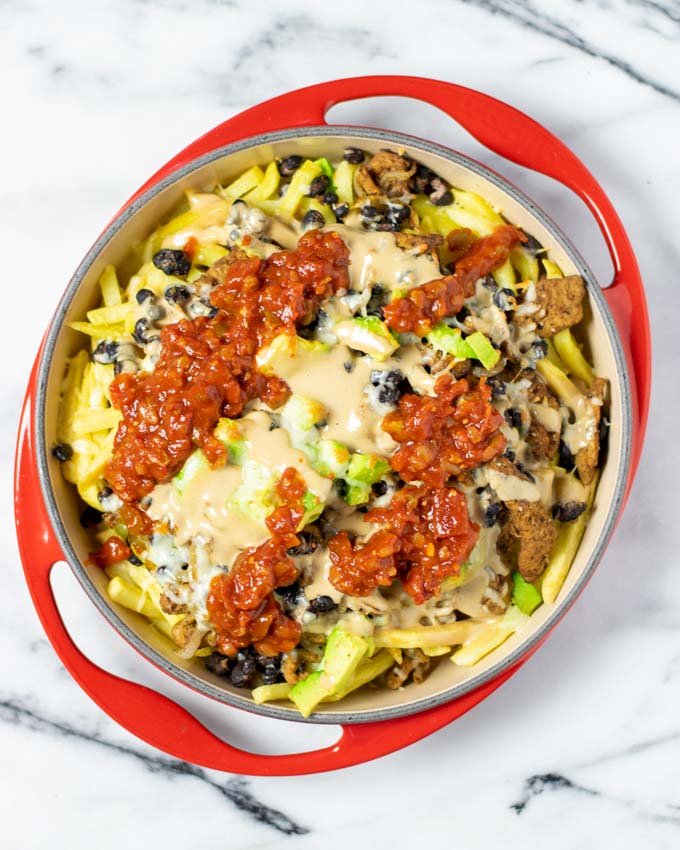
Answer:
(527, 537)
(560, 302)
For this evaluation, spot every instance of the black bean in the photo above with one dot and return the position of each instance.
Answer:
(264, 661)
(219, 664)
(141, 331)
(497, 386)
(353, 155)
(379, 488)
(245, 652)
(568, 511)
(154, 312)
(104, 493)
(313, 219)
(540, 349)
(307, 330)
(242, 672)
(604, 439)
(369, 211)
(489, 283)
(322, 605)
(521, 468)
(566, 458)
(509, 454)
(377, 301)
(289, 165)
(318, 186)
(172, 261)
(340, 210)
(143, 295)
(422, 179)
(90, 517)
(397, 213)
(135, 561)
(532, 244)
(106, 352)
(391, 385)
(400, 483)
(177, 294)
(491, 513)
(388, 394)
(330, 198)
(290, 594)
(504, 299)
(62, 452)
(271, 676)
(308, 544)
(213, 312)
(443, 199)
(513, 417)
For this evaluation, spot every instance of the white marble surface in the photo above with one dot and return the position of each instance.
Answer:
(582, 747)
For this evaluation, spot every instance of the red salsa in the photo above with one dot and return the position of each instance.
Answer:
(446, 434)
(423, 306)
(240, 603)
(110, 552)
(426, 537)
(206, 367)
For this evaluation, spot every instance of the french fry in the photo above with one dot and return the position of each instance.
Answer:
(418, 637)
(108, 283)
(564, 551)
(472, 652)
(299, 186)
(271, 693)
(269, 185)
(571, 356)
(245, 183)
(552, 270)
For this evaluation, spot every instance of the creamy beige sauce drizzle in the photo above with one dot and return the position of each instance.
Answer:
(549, 417)
(579, 426)
(409, 361)
(323, 377)
(375, 258)
(486, 317)
(316, 569)
(510, 487)
(203, 510)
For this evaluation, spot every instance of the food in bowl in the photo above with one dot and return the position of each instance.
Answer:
(335, 429)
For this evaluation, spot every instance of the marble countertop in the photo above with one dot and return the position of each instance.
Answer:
(582, 747)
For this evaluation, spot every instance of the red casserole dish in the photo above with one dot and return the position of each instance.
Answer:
(299, 118)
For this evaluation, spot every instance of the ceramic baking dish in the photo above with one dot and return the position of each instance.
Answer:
(615, 328)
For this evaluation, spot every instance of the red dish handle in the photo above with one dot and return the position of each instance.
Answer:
(155, 718)
(507, 132)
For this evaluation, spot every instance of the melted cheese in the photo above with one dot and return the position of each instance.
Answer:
(376, 258)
